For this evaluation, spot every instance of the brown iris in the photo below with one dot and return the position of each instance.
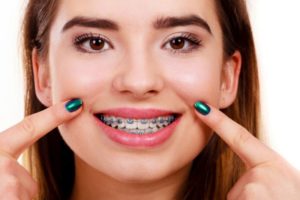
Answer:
(177, 43)
(97, 44)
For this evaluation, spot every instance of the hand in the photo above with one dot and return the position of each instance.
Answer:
(16, 182)
(268, 175)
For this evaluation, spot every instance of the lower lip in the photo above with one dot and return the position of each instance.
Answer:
(132, 140)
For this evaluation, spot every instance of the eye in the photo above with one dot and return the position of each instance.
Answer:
(96, 44)
(184, 43)
(92, 43)
(178, 43)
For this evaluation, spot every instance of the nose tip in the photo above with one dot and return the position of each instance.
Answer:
(138, 83)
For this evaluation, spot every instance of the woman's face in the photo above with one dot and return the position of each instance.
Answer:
(144, 63)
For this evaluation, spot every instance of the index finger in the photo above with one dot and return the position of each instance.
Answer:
(16, 139)
(244, 144)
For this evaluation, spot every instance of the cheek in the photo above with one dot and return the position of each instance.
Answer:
(196, 80)
(78, 76)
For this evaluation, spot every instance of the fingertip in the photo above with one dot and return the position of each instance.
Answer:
(202, 108)
(66, 110)
(209, 114)
(73, 105)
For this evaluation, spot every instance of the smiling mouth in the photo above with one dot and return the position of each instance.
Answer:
(137, 126)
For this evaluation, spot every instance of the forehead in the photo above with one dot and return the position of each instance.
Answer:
(136, 6)
(138, 13)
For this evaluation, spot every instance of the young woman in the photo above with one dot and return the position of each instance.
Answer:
(152, 100)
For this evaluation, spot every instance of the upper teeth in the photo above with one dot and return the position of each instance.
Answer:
(137, 126)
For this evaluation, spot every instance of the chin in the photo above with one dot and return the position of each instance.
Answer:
(140, 174)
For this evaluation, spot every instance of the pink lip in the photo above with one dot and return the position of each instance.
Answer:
(138, 141)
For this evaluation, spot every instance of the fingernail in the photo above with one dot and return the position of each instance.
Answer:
(202, 108)
(73, 105)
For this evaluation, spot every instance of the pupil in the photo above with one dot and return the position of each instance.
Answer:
(177, 43)
(97, 44)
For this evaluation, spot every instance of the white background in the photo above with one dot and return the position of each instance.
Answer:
(276, 29)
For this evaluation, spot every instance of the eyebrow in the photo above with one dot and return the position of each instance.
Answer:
(91, 22)
(169, 22)
(160, 23)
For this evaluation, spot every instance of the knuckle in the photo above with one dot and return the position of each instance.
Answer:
(7, 187)
(12, 182)
(255, 175)
(242, 137)
(230, 195)
(56, 114)
(249, 190)
(10, 196)
(12, 185)
(33, 188)
(7, 165)
(218, 121)
(27, 126)
(15, 198)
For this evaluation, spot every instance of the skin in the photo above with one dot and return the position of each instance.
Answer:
(137, 73)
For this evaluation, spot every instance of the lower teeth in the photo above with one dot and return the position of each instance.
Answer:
(139, 131)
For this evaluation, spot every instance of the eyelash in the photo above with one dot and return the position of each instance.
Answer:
(81, 39)
(192, 40)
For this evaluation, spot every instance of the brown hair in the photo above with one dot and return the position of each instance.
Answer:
(216, 168)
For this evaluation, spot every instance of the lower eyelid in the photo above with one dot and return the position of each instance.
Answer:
(185, 51)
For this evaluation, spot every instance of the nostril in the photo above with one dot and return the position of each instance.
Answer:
(138, 83)
(139, 94)
(145, 95)
(153, 92)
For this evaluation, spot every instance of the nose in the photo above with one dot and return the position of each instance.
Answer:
(138, 75)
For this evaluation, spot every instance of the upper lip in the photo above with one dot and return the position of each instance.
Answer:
(136, 113)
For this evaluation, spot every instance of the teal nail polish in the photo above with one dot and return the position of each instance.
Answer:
(202, 108)
(73, 105)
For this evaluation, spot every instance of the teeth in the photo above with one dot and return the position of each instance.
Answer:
(152, 123)
(131, 124)
(137, 126)
(166, 121)
(114, 122)
(155, 129)
(138, 131)
(142, 124)
(108, 120)
(160, 122)
(121, 123)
